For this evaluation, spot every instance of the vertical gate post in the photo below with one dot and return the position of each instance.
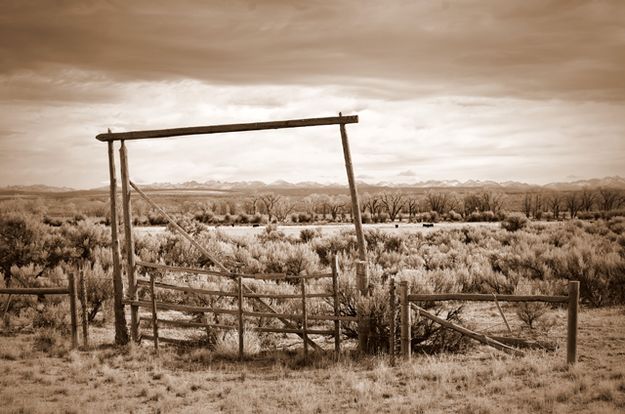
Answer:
(241, 325)
(362, 278)
(130, 244)
(83, 305)
(571, 332)
(154, 314)
(304, 319)
(393, 312)
(72, 308)
(405, 319)
(335, 291)
(121, 330)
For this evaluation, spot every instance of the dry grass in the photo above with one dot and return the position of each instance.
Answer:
(133, 380)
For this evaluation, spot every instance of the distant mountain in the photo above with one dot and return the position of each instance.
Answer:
(246, 186)
(36, 188)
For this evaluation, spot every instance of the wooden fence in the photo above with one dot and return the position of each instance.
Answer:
(241, 312)
(70, 291)
(406, 301)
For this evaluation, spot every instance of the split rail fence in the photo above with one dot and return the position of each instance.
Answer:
(407, 303)
(241, 310)
(70, 291)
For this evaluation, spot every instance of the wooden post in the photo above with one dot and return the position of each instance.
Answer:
(72, 309)
(405, 319)
(335, 291)
(241, 325)
(121, 330)
(154, 314)
(130, 244)
(393, 312)
(83, 303)
(571, 332)
(362, 279)
(304, 318)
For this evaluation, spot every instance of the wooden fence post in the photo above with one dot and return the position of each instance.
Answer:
(304, 318)
(130, 244)
(121, 330)
(335, 291)
(405, 319)
(362, 277)
(241, 325)
(83, 303)
(393, 312)
(571, 334)
(154, 314)
(72, 308)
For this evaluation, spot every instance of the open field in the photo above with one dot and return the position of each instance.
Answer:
(481, 381)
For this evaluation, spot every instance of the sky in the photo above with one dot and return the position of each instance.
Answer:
(530, 91)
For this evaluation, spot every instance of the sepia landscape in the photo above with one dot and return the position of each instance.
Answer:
(267, 207)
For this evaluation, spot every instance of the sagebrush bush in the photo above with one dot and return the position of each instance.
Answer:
(514, 222)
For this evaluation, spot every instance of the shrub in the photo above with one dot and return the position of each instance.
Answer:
(514, 222)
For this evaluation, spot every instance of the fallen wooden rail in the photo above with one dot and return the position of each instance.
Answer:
(189, 324)
(187, 289)
(217, 129)
(35, 291)
(180, 308)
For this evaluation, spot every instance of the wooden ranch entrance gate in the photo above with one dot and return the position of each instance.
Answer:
(242, 291)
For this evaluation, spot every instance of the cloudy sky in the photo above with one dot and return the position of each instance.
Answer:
(529, 90)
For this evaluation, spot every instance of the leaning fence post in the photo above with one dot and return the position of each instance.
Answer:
(154, 314)
(241, 326)
(83, 303)
(335, 291)
(72, 308)
(405, 319)
(393, 312)
(571, 334)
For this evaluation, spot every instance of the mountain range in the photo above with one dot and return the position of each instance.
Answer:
(614, 181)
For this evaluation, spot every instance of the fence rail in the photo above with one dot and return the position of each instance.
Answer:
(406, 302)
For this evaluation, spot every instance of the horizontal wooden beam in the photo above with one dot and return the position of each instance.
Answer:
(197, 271)
(35, 291)
(187, 289)
(217, 129)
(297, 331)
(282, 276)
(287, 295)
(181, 308)
(189, 324)
(476, 297)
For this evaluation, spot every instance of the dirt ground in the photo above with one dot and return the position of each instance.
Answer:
(34, 379)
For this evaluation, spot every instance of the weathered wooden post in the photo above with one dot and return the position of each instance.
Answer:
(72, 308)
(405, 319)
(393, 312)
(83, 305)
(121, 330)
(335, 291)
(304, 318)
(571, 333)
(154, 314)
(362, 279)
(130, 244)
(241, 325)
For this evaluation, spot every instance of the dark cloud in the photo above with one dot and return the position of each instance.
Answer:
(539, 49)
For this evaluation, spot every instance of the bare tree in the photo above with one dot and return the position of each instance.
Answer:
(335, 205)
(609, 199)
(537, 206)
(283, 208)
(471, 203)
(393, 202)
(586, 199)
(441, 202)
(573, 204)
(527, 205)
(412, 205)
(555, 204)
(269, 200)
(373, 203)
(492, 201)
